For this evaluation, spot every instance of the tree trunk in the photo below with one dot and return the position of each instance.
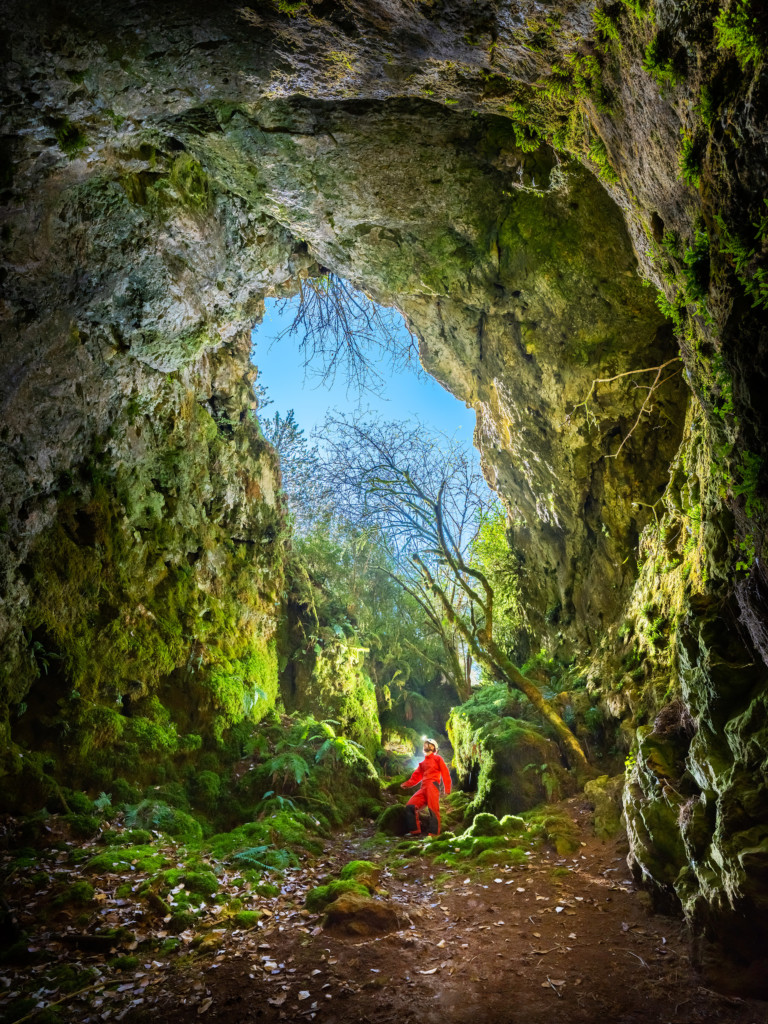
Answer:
(515, 678)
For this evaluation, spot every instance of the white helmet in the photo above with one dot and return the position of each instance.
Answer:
(428, 739)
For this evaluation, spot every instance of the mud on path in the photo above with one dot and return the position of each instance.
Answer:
(558, 939)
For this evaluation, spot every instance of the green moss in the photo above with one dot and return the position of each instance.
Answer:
(121, 859)
(317, 899)
(503, 856)
(204, 883)
(485, 824)
(160, 817)
(556, 828)
(190, 181)
(741, 27)
(71, 138)
(246, 918)
(267, 889)
(80, 893)
(128, 837)
(124, 963)
(83, 825)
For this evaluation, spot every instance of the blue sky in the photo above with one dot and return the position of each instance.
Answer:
(404, 395)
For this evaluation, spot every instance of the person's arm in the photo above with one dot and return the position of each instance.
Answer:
(414, 780)
(446, 776)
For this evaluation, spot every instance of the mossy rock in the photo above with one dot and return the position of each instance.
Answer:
(84, 826)
(159, 817)
(503, 856)
(317, 899)
(356, 913)
(485, 824)
(246, 918)
(513, 824)
(393, 820)
(605, 795)
(202, 883)
(516, 766)
(79, 893)
(556, 828)
(127, 837)
(117, 860)
(363, 871)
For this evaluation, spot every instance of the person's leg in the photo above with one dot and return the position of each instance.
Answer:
(412, 808)
(433, 802)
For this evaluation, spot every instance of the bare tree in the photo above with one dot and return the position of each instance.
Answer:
(344, 331)
(428, 497)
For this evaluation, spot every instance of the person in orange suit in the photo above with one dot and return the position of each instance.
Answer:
(429, 773)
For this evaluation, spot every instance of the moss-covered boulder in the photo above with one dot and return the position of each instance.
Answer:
(393, 820)
(363, 871)
(355, 913)
(319, 897)
(605, 795)
(507, 761)
(158, 816)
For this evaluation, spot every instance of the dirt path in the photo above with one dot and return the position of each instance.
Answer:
(558, 939)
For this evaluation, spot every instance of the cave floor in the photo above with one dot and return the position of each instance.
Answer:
(558, 939)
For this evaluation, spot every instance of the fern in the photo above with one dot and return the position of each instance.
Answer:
(288, 770)
(335, 748)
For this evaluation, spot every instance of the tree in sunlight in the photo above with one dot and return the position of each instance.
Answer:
(429, 498)
(306, 493)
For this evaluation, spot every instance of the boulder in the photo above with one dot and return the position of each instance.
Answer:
(353, 914)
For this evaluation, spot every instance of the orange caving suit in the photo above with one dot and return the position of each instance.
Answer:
(429, 772)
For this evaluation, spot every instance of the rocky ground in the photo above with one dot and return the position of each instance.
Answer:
(557, 938)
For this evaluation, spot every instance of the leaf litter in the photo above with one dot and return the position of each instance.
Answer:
(115, 959)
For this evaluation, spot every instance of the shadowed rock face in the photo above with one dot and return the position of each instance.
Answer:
(164, 168)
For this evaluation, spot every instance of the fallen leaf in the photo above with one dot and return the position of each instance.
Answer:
(304, 994)
(205, 1005)
(430, 971)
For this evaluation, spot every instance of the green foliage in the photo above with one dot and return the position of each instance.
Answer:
(598, 154)
(747, 259)
(190, 181)
(662, 63)
(741, 27)
(492, 555)
(691, 156)
(151, 814)
(696, 266)
(287, 771)
(606, 23)
(71, 139)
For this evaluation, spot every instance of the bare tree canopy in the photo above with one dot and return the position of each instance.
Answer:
(395, 474)
(427, 495)
(343, 331)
